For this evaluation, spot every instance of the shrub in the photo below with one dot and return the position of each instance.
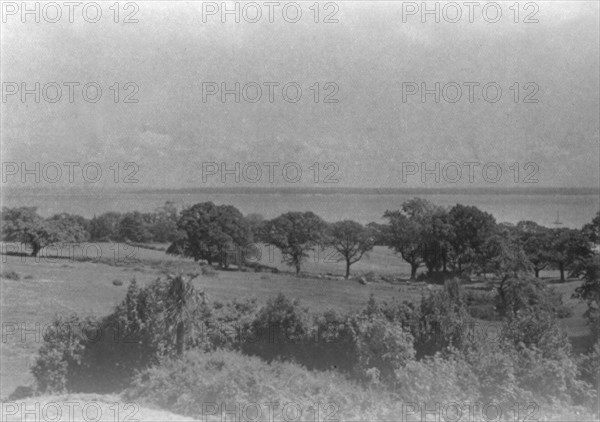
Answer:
(442, 319)
(11, 275)
(22, 392)
(494, 364)
(189, 386)
(381, 348)
(278, 331)
(370, 346)
(437, 379)
(590, 292)
(435, 277)
(484, 312)
(229, 322)
(590, 366)
(518, 294)
(208, 271)
(531, 360)
(117, 283)
(151, 323)
(59, 357)
(481, 304)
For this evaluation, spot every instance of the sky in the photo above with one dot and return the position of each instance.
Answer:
(374, 135)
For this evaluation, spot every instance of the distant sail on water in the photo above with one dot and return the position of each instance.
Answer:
(557, 222)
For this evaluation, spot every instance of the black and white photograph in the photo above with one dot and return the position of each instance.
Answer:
(300, 211)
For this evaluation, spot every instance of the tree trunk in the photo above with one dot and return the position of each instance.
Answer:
(347, 270)
(35, 249)
(413, 271)
(537, 272)
(561, 267)
(179, 341)
(297, 268)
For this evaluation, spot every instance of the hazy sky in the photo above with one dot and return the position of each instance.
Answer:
(368, 55)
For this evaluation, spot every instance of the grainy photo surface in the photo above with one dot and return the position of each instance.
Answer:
(300, 211)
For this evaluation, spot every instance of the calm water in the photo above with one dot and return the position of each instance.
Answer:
(575, 210)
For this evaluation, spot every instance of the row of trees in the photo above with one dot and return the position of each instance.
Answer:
(464, 237)
(215, 233)
(25, 225)
(460, 239)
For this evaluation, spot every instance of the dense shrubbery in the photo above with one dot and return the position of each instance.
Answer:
(528, 293)
(59, 357)
(103, 355)
(193, 385)
(392, 351)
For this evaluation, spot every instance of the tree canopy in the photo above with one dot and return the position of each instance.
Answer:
(295, 234)
(351, 240)
(211, 232)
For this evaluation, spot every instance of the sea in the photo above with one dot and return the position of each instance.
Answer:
(549, 207)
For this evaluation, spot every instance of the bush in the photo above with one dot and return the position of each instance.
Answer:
(442, 320)
(150, 323)
(11, 275)
(437, 379)
(519, 294)
(435, 277)
(481, 304)
(191, 385)
(208, 271)
(59, 357)
(22, 392)
(484, 312)
(279, 330)
(228, 324)
(590, 366)
(117, 283)
(530, 361)
(369, 346)
(381, 347)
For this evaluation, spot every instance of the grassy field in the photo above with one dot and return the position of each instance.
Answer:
(63, 286)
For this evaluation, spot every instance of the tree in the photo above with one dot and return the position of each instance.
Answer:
(256, 223)
(163, 224)
(590, 292)
(535, 240)
(410, 232)
(503, 255)
(26, 226)
(294, 234)
(437, 235)
(135, 227)
(568, 249)
(592, 230)
(69, 228)
(210, 232)
(471, 228)
(378, 233)
(351, 239)
(182, 303)
(517, 294)
(105, 227)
